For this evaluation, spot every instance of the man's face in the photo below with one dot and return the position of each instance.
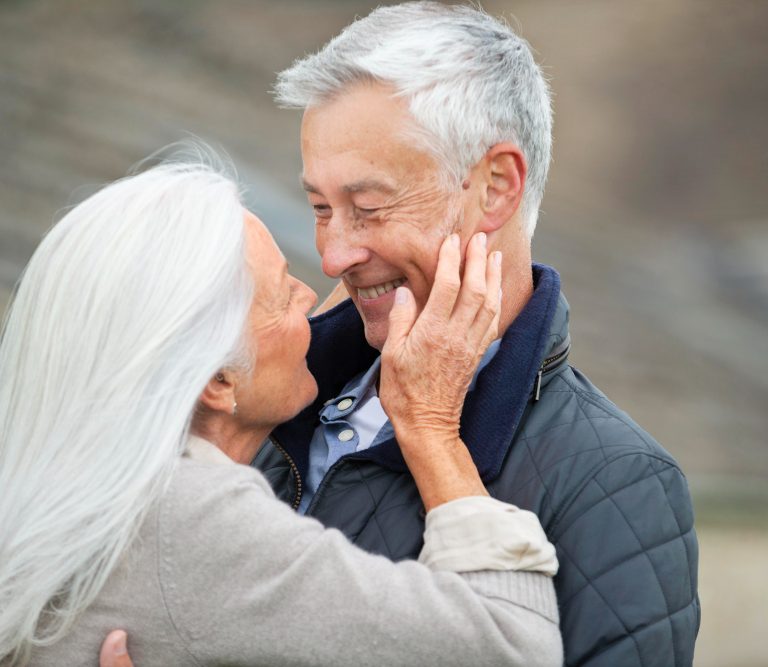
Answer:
(380, 213)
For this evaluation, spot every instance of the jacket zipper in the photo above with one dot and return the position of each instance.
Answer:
(325, 481)
(564, 349)
(294, 469)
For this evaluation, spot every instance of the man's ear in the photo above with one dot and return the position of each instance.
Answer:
(219, 393)
(502, 171)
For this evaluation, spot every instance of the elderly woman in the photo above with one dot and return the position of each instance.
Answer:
(154, 341)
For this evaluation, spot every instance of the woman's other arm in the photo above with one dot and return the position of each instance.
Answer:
(247, 581)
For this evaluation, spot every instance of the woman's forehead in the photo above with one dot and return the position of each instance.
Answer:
(264, 258)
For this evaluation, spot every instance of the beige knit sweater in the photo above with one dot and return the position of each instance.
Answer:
(224, 574)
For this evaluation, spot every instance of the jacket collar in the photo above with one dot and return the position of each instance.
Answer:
(492, 412)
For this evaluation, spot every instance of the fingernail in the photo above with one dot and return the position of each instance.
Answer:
(401, 295)
(455, 240)
(497, 258)
(482, 239)
(120, 647)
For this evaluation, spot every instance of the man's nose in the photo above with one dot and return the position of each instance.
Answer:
(340, 248)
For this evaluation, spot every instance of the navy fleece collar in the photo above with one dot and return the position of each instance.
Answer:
(492, 411)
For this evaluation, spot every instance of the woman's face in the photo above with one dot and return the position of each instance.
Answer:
(280, 384)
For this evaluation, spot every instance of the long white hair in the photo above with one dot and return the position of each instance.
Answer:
(128, 307)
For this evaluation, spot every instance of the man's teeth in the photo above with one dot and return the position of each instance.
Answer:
(378, 290)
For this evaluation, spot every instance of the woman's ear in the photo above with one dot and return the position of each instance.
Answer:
(503, 170)
(219, 393)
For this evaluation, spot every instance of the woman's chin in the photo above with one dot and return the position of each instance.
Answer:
(309, 392)
(313, 392)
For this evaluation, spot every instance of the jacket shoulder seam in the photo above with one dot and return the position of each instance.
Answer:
(567, 504)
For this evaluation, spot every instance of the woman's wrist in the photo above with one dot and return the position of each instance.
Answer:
(441, 466)
(423, 436)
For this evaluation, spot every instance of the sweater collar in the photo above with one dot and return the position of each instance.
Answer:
(492, 412)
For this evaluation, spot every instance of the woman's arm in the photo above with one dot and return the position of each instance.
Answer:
(428, 362)
(247, 581)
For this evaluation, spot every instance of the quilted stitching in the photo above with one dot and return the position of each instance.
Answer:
(630, 499)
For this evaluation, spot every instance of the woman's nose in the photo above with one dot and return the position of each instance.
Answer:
(311, 298)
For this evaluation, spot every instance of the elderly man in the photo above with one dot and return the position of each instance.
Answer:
(422, 119)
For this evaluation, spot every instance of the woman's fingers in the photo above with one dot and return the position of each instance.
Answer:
(485, 328)
(447, 284)
(469, 303)
(473, 284)
(114, 652)
(401, 318)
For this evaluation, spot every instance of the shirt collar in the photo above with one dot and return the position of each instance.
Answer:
(352, 393)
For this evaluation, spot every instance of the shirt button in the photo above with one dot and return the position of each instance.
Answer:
(344, 404)
(346, 435)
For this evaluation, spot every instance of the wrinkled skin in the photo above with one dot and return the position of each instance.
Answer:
(381, 211)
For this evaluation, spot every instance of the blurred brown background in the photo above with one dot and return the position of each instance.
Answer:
(656, 213)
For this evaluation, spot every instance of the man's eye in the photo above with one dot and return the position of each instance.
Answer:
(322, 210)
(366, 211)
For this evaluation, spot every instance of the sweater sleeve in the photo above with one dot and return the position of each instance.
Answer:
(247, 581)
(483, 533)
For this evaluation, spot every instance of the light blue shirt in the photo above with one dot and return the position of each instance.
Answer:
(353, 422)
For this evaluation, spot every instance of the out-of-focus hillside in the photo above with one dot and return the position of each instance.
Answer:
(656, 213)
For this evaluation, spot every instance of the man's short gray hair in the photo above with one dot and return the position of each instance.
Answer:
(469, 80)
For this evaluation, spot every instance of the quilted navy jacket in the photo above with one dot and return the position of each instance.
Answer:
(613, 502)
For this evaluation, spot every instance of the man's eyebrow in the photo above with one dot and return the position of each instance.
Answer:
(363, 185)
(368, 184)
(309, 187)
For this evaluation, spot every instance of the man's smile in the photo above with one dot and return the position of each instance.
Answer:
(375, 291)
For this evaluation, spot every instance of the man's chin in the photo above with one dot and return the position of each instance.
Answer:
(375, 316)
(376, 333)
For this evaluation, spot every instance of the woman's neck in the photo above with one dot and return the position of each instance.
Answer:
(239, 443)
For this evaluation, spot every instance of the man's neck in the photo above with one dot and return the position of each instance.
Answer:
(516, 291)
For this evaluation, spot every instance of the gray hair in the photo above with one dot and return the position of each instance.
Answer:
(128, 307)
(469, 80)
